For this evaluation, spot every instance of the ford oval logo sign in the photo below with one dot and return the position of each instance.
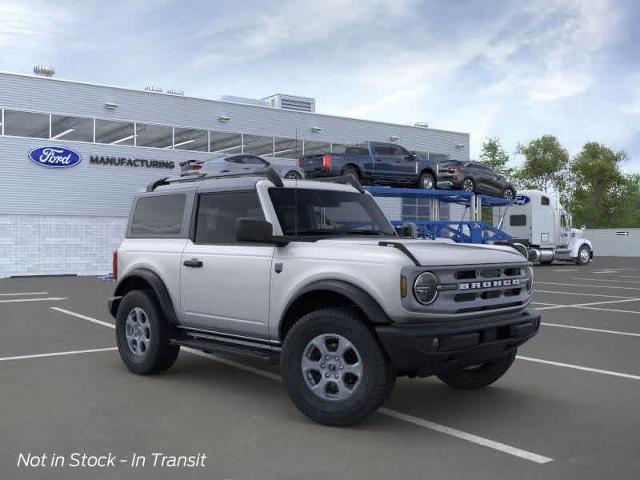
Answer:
(55, 157)
(521, 200)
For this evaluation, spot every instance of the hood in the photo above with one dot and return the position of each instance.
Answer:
(444, 253)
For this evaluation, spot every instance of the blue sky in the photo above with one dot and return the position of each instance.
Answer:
(514, 70)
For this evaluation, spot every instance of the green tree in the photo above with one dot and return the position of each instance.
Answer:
(601, 195)
(545, 164)
(494, 156)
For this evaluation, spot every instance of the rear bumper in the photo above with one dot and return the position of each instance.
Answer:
(427, 349)
(319, 172)
(449, 182)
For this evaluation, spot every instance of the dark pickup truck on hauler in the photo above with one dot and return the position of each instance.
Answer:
(375, 163)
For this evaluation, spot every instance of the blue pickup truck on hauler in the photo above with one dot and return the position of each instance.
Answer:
(375, 163)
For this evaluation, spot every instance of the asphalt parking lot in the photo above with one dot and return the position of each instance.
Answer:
(569, 407)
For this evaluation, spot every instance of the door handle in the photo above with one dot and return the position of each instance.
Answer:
(194, 263)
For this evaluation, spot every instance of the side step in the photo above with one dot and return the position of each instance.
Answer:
(216, 344)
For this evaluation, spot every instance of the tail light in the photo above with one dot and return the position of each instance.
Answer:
(326, 161)
(114, 265)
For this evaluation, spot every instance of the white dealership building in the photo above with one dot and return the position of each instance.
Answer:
(72, 154)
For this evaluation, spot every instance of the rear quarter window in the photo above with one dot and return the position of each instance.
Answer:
(158, 216)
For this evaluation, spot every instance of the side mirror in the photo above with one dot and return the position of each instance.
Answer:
(583, 227)
(255, 230)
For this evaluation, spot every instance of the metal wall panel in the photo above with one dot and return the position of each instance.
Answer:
(616, 242)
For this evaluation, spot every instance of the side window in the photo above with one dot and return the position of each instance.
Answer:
(563, 221)
(381, 149)
(397, 150)
(356, 151)
(544, 201)
(218, 212)
(518, 220)
(158, 216)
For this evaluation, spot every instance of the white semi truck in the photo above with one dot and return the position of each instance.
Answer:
(538, 222)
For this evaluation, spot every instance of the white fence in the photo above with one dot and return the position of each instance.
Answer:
(615, 242)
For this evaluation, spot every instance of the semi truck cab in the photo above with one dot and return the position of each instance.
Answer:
(538, 221)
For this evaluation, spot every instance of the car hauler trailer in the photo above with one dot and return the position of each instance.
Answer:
(538, 221)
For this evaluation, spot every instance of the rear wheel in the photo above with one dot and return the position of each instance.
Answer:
(479, 376)
(333, 367)
(427, 181)
(351, 172)
(293, 175)
(584, 255)
(143, 335)
(468, 185)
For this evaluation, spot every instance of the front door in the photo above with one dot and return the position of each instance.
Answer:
(403, 164)
(225, 285)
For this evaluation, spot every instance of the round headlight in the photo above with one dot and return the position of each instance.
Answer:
(529, 279)
(425, 288)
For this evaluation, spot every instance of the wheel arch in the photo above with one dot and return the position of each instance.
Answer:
(144, 279)
(354, 166)
(428, 170)
(328, 293)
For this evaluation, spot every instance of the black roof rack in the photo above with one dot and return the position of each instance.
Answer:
(267, 172)
(343, 179)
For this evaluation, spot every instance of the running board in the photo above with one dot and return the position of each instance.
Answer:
(210, 344)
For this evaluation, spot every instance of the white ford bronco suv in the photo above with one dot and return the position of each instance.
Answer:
(311, 273)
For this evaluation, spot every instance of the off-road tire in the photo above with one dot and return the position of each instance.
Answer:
(425, 178)
(161, 355)
(580, 258)
(378, 375)
(480, 376)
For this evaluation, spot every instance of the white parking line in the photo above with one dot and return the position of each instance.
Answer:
(589, 286)
(615, 310)
(517, 452)
(608, 280)
(16, 294)
(84, 317)
(581, 294)
(21, 300)
(552, 306)
(580, 367)
(565, 270)
(56, 354)
(588, 329)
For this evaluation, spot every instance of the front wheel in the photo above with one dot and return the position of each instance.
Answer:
(468, 185)
(479, 376)
(334, 368)
(584, 255)
(143, 335)
(508, 193)
(427, 181)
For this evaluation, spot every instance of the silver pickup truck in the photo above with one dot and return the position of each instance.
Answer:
(312, 275)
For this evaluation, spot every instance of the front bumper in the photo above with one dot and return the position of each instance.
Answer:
(428, 349)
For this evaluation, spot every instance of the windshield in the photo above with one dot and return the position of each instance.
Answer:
(329, 213)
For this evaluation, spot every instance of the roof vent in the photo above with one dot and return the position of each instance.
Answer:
(292, 102)
(153, 88)
(44, 70)
(421, 124)
(244, 100)
(175, 91)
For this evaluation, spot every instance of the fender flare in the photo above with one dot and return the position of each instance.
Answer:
(578, 244)
(158, 287)
(358, 296)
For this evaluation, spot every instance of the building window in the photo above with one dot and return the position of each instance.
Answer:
(157, 136)
(225, 142)
(287, 148)
(257, 145)
(416, 209)
(114, 133)
(316, 148)
(26, 124)
(190, 139)
(71, 128)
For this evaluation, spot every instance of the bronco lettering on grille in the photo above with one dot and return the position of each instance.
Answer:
(514, 282)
